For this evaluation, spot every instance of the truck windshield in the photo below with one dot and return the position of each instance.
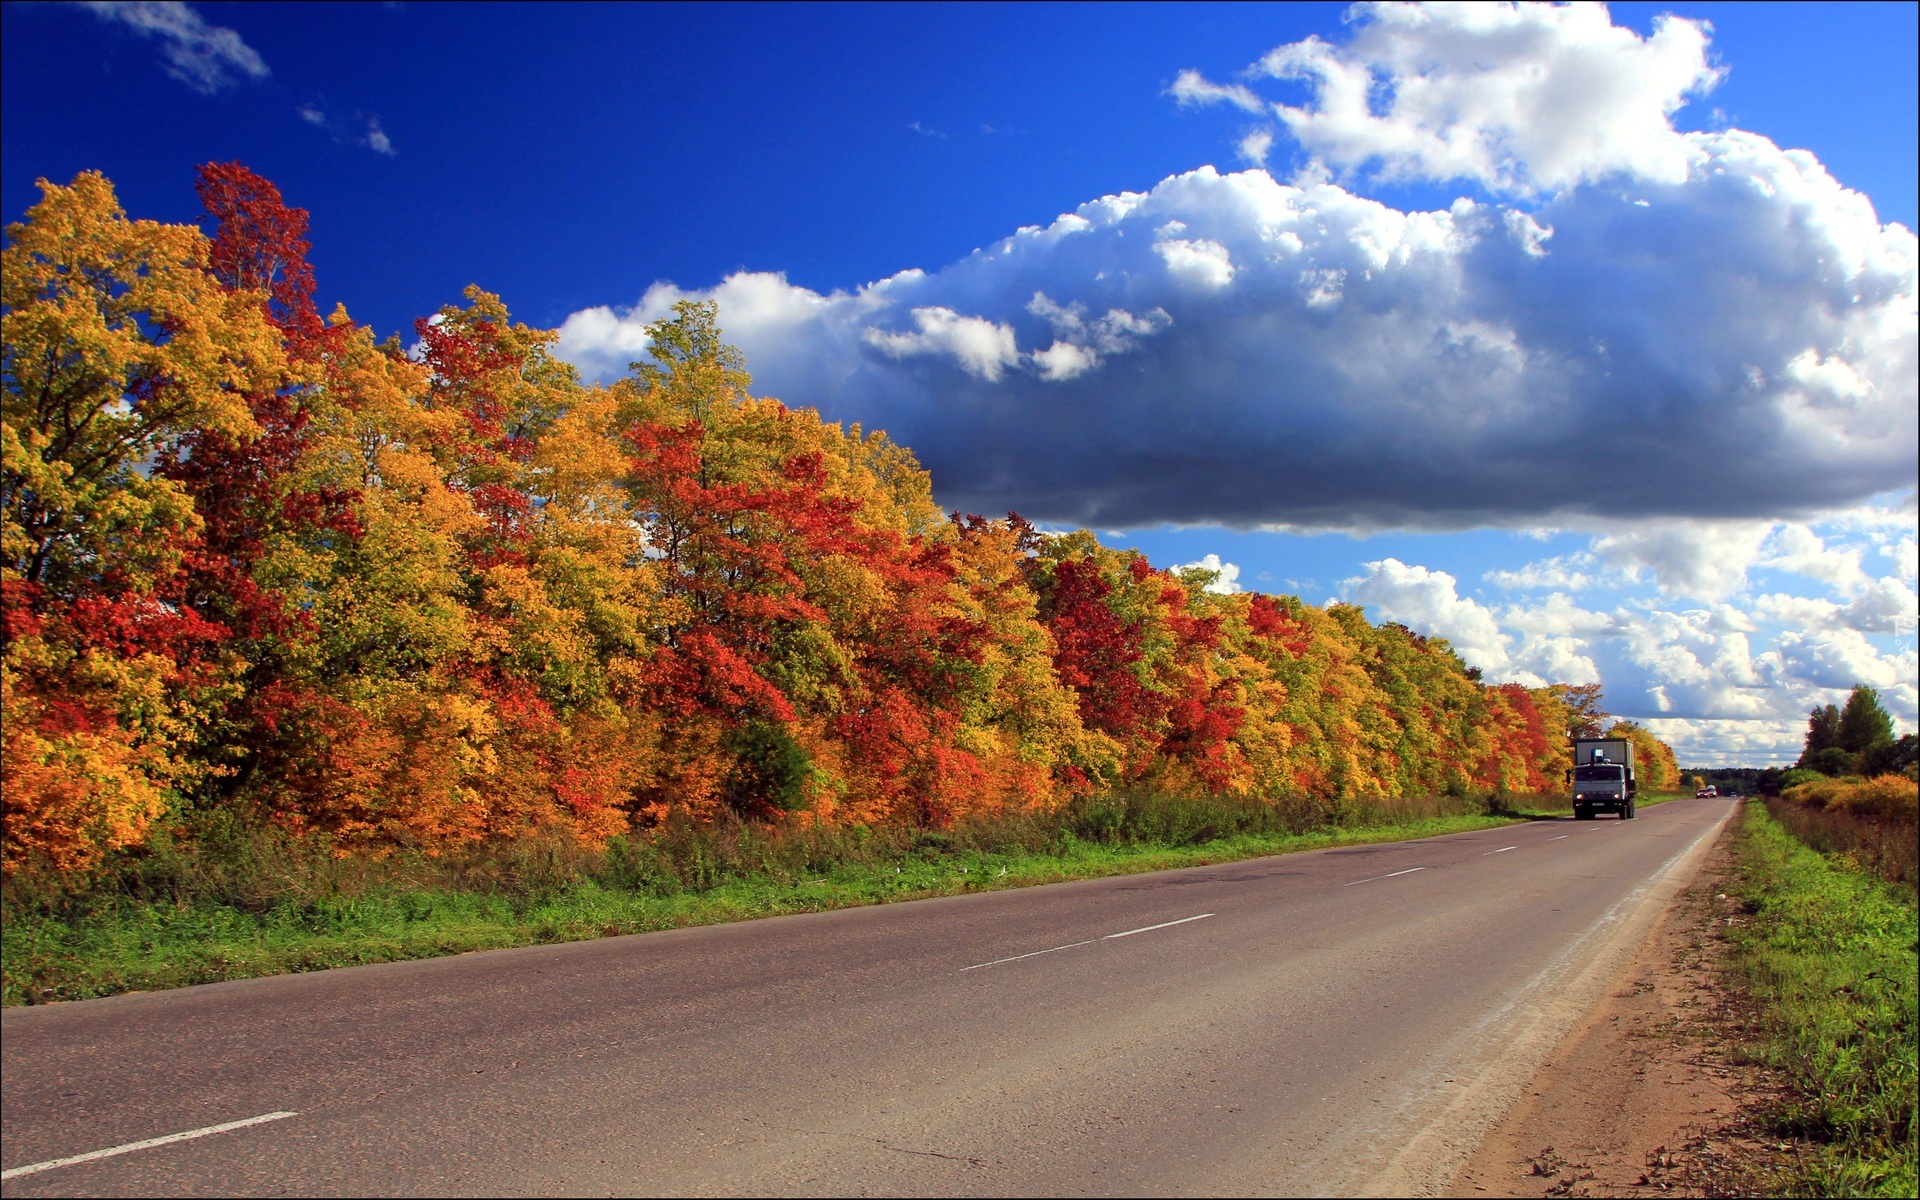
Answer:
(1597, 774)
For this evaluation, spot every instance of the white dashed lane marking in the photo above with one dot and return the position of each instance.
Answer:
(1389, 875)
(1088, 942)
(148, 1144)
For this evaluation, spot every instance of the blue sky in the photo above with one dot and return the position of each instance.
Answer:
(1725, 570)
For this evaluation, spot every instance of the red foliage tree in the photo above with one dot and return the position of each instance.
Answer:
(1522, 738)
(243, 490)
(1266, 618)
(477, 359)
(1095, 652)
(1202, 718)
(260, 245)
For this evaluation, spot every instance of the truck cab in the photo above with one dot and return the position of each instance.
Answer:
(1603, 778)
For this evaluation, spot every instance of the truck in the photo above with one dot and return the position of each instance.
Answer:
(1602, 778)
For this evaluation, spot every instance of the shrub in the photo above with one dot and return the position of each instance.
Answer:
(1870, 822)
(1892, 796)
(1832, 761)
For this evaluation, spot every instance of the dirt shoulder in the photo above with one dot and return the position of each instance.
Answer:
(1642, 1099)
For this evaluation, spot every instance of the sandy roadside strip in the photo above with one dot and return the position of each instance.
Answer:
(1638, 1100)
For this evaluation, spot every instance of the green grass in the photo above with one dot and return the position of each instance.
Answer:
(1829, 956)
(111, 942)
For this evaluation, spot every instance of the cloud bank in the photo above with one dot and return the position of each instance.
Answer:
(1723, 660)
(1232, 349)
(1630, 305)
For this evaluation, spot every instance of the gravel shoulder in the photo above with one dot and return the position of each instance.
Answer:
(1643, 1098)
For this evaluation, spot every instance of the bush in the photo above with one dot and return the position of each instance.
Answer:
(221, 863)
(1780, 782)
(1876, 845)
(1868, 822)
(1831, 761)
(1891, 796)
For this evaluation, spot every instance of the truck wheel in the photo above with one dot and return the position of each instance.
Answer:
(1628, 813)
(1582, 813)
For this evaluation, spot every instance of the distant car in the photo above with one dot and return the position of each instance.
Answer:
(1708, 790)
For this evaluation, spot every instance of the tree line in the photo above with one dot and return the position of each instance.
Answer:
(1856, 739)
(255, 563)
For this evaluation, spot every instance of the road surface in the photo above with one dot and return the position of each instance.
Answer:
(1345, 1021)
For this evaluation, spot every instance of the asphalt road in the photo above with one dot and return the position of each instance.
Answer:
(1343, 1021)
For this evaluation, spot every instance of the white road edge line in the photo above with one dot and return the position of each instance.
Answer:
(1031, 954)
(1161, 925)
(1090, 941)
(1501, 850)
(148, 1144)
(1389, 875)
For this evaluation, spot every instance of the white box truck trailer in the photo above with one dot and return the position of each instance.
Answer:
(1602, 777)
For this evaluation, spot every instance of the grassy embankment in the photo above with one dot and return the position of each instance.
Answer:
(233, 905)
(1828, 958)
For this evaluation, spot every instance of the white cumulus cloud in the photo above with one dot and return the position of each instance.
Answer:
(1887, 605)
(1226, 575)
(377, 139)
(1190, 87)
(1800, 550)
(985, 348)
(1197, 263)
(1704, 559)
(1255, 146)
(356, 129)
(1428, 602)
(1840, 658)
(1714, 559)
(1080, 342)
(1518, 97)
(1721, 682)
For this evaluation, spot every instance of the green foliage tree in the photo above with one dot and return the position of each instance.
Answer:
(1892, 758)
(1823, 731)
(1856, 739)
(1864, 725)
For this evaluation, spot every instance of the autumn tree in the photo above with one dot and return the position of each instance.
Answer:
(1654, 766)
(257, 565)
(119, 346)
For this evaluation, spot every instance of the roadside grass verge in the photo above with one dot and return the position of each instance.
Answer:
(236, 904)
(1828, 959)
